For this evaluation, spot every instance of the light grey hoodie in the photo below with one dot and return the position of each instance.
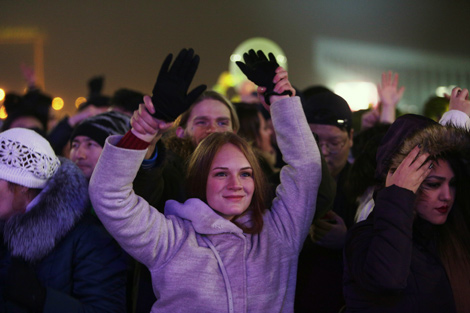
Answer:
(199, 261)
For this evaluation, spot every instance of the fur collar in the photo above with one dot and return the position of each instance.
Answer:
(59, 206)
(441, 142)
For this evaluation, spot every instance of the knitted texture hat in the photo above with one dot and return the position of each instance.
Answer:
(100, 126)
(26, 158)
(328, 108)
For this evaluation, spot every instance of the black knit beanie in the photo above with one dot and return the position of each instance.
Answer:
(101, 126)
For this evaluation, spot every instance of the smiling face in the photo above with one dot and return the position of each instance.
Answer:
(207, 117)
(230, 183)
(436, 194)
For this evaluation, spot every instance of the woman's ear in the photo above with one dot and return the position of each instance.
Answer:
(179, 132)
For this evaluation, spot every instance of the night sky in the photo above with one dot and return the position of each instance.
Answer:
(127, 41)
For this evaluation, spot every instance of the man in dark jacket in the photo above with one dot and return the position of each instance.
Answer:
(320, 271)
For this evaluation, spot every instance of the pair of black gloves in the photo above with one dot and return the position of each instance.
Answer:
(170, 93)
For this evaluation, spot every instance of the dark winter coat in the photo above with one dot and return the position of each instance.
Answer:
(391, 259)
(81, 266)
(386, 271)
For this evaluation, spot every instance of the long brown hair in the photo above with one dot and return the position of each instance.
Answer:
(199, 168)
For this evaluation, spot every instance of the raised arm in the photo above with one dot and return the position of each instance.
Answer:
(295, 203)
(389, 95)
(171, 97)
(140, 229)
(294, 206)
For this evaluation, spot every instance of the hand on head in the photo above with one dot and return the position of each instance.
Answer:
(411, 172)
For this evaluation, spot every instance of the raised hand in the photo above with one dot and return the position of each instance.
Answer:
(459, 100)
(170, 92)
(144, 125)
(261, 71)
(388, 90)
(389, 95)
(282, 89)
(411, 172)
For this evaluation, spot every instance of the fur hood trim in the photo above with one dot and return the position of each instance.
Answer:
(441, 142)
(57, 208)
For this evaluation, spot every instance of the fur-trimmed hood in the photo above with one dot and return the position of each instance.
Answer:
(403, 128)
(54, 212)
(441, 142)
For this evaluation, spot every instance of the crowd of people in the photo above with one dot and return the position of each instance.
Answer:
(184, 201)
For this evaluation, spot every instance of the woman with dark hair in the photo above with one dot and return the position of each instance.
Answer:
(411, 254)
(221, 250)
(255, 129)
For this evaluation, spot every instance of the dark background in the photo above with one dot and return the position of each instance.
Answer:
(127, 41)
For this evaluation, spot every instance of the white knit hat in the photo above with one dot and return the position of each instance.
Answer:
(26, 158)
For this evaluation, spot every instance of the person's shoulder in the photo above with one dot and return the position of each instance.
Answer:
(89, 227)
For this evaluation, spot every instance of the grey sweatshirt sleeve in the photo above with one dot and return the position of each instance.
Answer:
(294, 206)
(138, 227)
(457, 118)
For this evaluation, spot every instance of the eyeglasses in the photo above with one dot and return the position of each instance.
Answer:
(332, 147)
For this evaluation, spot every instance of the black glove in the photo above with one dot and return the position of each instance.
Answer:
(261, 71)
(169, 95)
(22, 286)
